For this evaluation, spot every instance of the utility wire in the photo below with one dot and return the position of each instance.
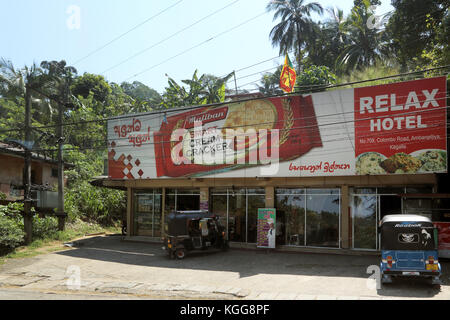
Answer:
(127, 32)
(326, 125)
(174, 110)
(196, 46)
(168, 38)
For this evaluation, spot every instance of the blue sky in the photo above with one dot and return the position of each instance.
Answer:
(33, 31)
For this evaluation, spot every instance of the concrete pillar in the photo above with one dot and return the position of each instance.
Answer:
(270, 197)
(163, 213)
(345, 218)
(204, 198)
(130, 225)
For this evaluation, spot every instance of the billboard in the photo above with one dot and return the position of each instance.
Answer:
(397, 128)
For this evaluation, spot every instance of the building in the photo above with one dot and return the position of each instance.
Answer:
(44, 172)
(332, 164)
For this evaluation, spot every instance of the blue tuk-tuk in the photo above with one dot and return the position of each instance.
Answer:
(409, 247)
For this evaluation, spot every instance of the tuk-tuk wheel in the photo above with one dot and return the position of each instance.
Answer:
(180, 254)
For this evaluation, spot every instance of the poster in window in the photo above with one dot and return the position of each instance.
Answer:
(266, 228)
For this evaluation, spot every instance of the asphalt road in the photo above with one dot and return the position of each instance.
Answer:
(108, 268)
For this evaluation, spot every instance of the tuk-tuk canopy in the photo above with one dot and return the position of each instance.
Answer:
(178, 221)
(407, 232)
(402, 218)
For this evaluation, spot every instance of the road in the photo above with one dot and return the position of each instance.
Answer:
(105, 267)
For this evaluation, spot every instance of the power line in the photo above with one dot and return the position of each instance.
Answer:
(169, 37)
(127, 32)
(168, 111)
(196, 46)
(440, 123)
(323, 141)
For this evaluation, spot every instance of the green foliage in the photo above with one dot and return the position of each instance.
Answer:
(365, 44)
(315, 76)
(147, 98)
(44, 227)
(378, 70)
(271, 83)
(296, 25)
(88, 84)
(11, 227)
(91, 203)
(418, 32)
(11, 234)
(206, 89)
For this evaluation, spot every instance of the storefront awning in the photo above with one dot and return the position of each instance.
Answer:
(106, 182)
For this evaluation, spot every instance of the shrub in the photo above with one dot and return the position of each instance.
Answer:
(44, 227)
(11, 233)
(91, 203)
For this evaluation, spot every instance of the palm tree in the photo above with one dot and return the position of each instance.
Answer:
(364, 45)
(270, 83)
(23, 85)
(296, 25)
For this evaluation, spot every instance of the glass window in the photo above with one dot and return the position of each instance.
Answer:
(322, 220)
(364, 214)
(188, 191)
(147, 213)
(363, 191)
(157, 212)
(323, 191)
(290, 191)
(254, 203)
(425, 190)
(388, 191)
(290, 218)
(219, 207)
(218, 191)
(256, 191)
(237, 211)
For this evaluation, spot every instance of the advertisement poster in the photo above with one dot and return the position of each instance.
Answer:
(266, 232)
(397, 128)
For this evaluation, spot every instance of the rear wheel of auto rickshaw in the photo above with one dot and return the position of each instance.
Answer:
(180, 254)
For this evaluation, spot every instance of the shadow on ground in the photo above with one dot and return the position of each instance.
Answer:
(249, 263)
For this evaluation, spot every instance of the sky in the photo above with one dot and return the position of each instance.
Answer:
(147, 40)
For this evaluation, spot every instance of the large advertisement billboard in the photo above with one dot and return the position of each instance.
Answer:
(397, 128)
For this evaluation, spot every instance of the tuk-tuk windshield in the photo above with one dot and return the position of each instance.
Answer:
(401, 236)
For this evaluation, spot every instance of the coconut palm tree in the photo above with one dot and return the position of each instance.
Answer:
(296, 25)
(24, 86)
(364, 43)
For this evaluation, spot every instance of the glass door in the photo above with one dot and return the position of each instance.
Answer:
(364, 208)
(237, 215)
(255, 200)
(147, 213)
(322, 218)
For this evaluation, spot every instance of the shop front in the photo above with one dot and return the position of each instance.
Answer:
(332, 164)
